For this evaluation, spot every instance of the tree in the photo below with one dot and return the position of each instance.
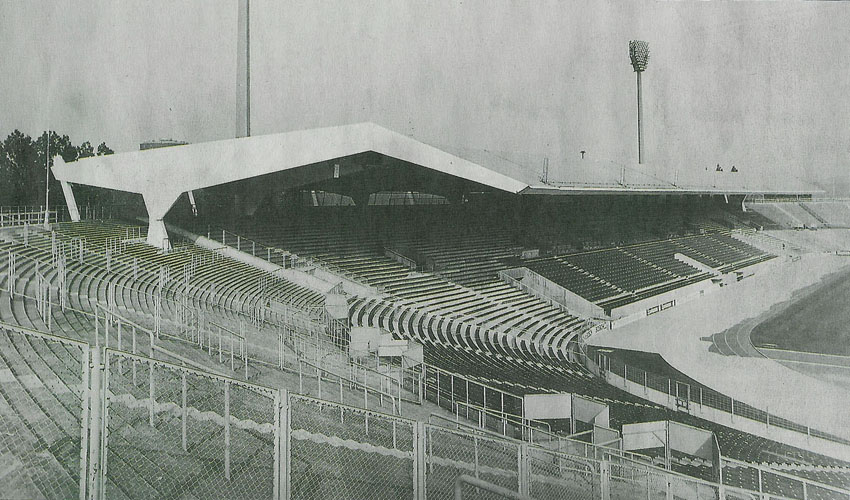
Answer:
(103, 149)
(24, 163)
(85, 150)
(18, 160)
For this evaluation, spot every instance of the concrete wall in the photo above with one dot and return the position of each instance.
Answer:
(779, 434)
(696, 264)
(636, 310)
(316, 279)
(547, 289)
(350, 287)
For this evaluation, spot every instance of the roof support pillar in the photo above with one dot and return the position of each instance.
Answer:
(157, 234)
(70, 201)
(158, 204)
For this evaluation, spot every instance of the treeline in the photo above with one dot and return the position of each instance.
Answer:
(23, 168)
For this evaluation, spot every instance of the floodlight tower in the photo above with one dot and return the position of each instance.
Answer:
(243, 70)
(639, 54)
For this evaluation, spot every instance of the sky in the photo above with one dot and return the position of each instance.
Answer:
(761, 85)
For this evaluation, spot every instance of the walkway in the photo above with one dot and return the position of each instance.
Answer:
(682, 336)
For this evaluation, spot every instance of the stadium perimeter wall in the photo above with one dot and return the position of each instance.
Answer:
(679, 336)
(642, 308)
(742, 423)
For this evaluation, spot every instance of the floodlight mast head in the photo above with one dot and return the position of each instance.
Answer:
(639, 55)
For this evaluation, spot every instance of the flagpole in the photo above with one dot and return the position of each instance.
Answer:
(47, 184)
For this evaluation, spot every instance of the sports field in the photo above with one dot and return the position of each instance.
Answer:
(816, 320)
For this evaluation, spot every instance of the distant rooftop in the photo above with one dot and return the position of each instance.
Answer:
(160, 143)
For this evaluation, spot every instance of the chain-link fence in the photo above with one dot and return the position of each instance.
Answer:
(451, 453)
(176, 432)
(557, 475)
(628, 479)
(339, 451)
(43, 403)
(99, 423)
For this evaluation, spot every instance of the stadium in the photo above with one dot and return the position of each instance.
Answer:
(351, 312)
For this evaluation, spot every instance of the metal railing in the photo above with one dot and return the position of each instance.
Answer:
(231, 349)
(771, 482)
(303, 344)
(438, 378)
(237, 350)
(175, 276)
(486, 486)
(446, 388)
(570, 445)
(29, 216)
(178, 431)
(282, 257)
(682, 396)
(421, 381)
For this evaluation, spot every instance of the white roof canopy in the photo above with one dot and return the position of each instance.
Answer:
(162, 175)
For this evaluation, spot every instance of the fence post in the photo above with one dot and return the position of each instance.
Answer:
(419, 489)
(605, 480)
(438, 388)
(150, 392)
(185, 413)
(399, 390)
(134, 352)
(282, 451)
(423, 384)
(467, 394)
(96, 402)
(524, 476)
(278, 407)
(475, 448)
(227, 430)
(85, 397)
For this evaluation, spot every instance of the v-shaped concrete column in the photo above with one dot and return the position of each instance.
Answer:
(158, 203)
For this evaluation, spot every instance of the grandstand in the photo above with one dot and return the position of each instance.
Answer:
(221, 354)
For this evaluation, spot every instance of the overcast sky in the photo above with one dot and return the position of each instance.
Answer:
(761, 85)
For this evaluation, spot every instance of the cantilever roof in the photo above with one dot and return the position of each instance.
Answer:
(168, 172)
(585, 176)
(196, 166)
